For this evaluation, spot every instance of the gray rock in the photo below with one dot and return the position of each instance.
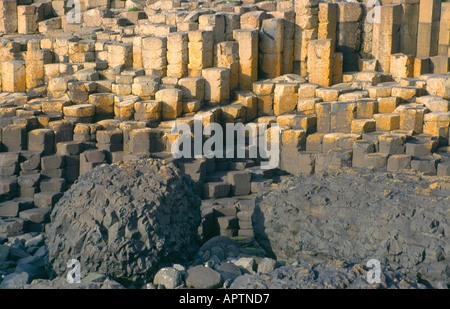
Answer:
(15, 281)
(92, 281)
(36, 215)
(7, 265)
(33, 272)
(24, 237)
(231, 251)
(45, 284)
(240, 182)
(229, 271)
(93, 277)
(179, 267)
(206, 255)
(266, 265)
(169, 277)
(218, 241)
(16, 252)
(150, 286)
(210, 263)
(32, 249)
(4, 252)
(125, 220)
(201, 277)
(246, 263)
(227, 283)
(110, 284)
(215, 259)
(35, 260)
(335, 274)
(41, 252)
(356, 215)
(11, 226)
(35, 241)
(242, 282)
(218, 252)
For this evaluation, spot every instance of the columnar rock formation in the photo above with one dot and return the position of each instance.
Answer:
(360, 84)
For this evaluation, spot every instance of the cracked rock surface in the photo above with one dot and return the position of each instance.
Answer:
(125, 221)
(400, 219)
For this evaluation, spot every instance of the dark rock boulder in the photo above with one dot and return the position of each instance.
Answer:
(125, 221)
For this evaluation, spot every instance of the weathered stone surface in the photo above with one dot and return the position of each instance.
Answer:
(13, 76)
(229, 271)
(169, 277)
(133, 232)
(368, 221)
(217, 85)
(320, 69)
(336, 274)
(15, 281)
(248, 57)
(202, 277)
(172, 105)
(92, 281)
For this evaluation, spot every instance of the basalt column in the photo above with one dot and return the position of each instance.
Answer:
(428, 33)
(386, 34)
(350, 16)
(271, 48)
(248, 57)
(306, 29)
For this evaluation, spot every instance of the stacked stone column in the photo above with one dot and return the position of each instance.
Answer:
(34, 64)
(201, 51)
(435, 122)
(253, 20)
(271, 38)
(217, 85)
(328, 15)
(214, 23)
(349, 33)
(232, 22)
(27, 19)
(401, 66)
(264, 91)
(444, 30)
(227, 56)
(84, 51)
(428, 32)
(409, 27)
(320, 62)
(13, 76)
(148, 111)
(8, 16)
(120, 54)
(306, 29)
(137, 52)
(386, 34)
(287, 57)
(61, 48)
(367, 30)
(154, 56)
(285, 98)
(172, 105)
(177, 54)
(248, 57)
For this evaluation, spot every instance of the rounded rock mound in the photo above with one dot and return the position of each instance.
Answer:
(125, 221)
